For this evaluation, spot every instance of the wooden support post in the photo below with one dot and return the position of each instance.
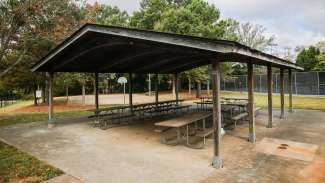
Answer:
(156, 91)
(176, 88)
(215, 76)
(96, 91)
(290, 89)
(131, 92)
(269, 92)
(282, 92)
(50, 99)
(251, 136)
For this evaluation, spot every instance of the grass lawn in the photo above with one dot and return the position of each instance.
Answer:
(10, 119)
(17, 166)
(299, 102)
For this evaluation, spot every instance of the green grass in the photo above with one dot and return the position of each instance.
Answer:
(6, 119)
(17, 165)
(299, 102)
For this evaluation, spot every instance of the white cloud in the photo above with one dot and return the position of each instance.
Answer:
(293, 22)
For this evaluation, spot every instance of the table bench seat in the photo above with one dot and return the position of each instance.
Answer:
(161, 129)
(204, 133)
(240, 116)
(257, 110)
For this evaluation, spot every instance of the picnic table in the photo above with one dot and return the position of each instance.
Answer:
(105, 116)
(233, 109)
(233, 98)
(184, 122)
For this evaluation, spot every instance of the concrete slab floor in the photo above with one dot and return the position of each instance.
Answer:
(135, 154)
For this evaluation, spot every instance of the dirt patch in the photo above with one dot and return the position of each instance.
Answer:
(25, 179)
(287, 148)
(58, 107)
(314, 172)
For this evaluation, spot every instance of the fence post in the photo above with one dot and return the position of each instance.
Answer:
(246, 83)
(318, 85)
(276, 83)
(261, 83)
(296, 83)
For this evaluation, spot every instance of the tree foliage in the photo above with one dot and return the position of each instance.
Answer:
(307, 58)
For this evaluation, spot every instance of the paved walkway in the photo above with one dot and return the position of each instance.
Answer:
(134, 153)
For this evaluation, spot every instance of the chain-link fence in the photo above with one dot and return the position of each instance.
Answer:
(303, 83)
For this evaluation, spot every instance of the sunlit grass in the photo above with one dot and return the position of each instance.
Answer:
(299, 102)
(16, 166)
(10, 119)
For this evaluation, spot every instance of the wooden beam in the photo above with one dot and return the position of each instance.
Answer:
(187, 64)
(290, 89)
(96, 91)
(131, 92)
(269, 92)
(215, 76)
(156, 91)
(282, 92)
(157, 65)
(50, 77)
(251, 136)
(151, 53)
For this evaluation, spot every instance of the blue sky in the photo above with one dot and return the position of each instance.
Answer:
(293, 22)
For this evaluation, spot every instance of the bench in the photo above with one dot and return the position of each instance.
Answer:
(239, 117)
(257, 110)
(203, 134)
(161, 129)
(104, 122)
(166, 109)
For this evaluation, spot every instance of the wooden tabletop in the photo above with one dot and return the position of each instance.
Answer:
(183, 120)
(134, 106)
(231, 98)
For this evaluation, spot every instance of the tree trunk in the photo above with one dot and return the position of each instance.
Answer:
(174, 86)
(35, 98)
(198, 89)
(208, 87)
(189, 86)
(67, 92)
(83, 94)
(46, 93)
(94, 87)
(43, 94)
(149, 84)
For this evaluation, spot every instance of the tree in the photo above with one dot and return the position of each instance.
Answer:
(321, 46)
(104, 14)
(253, 35)
(307, 58)
(320, 66)
(39, 26)
(197, 18)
